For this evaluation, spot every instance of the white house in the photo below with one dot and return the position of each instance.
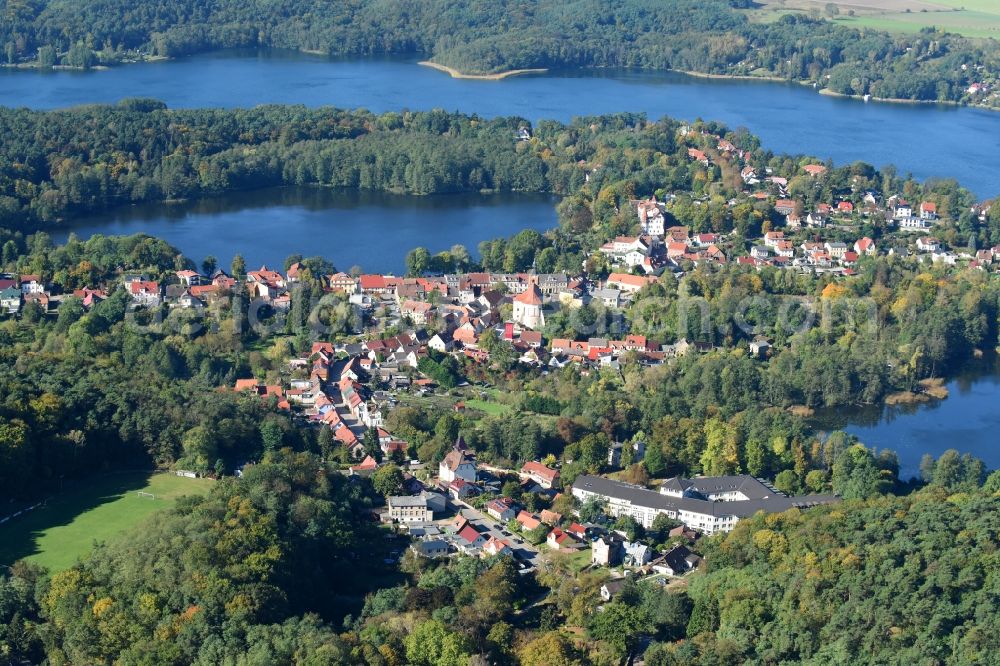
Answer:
(456, 465)
(928, 244)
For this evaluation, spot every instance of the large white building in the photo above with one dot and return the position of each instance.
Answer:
(709, 504)
(651, 217)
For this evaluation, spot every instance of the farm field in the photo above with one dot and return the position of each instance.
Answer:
(972, 18)
(66, 528)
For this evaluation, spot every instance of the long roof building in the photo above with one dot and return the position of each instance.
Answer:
(708, 504)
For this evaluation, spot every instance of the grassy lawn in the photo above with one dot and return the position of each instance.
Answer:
(66, 528)
(573, 561)
(972, 18)
(968, 23)
(491, 408)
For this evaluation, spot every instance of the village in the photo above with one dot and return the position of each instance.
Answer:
(350, 385)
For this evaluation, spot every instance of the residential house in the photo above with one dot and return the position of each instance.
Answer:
(772, 238)
(457, 465)
(613, 588)
(417, 311)
(629, 251)
(188, 278)
(265, 283)
(145, 292)
(558, 539)
(495, 546)
(684, 532)
(544, 476)
(836, 250)
(784, 249)
(40, 298)
(698, 156)
(610, 298)
(89, 297)
(913, 224)
(365, 467)
(784, 207)
(376, 285)
(607, 551)
(527, 521)
(637, 554)
(865, 246)
(637, 451)
(815, 220)
(928, 211)
(459, 489)
(342, 282)
(469, 539)
(501, 509)
(10, 299)
(928, 244)
(676, 561)
(551, 517)
(431, 548)
(901, 209)
(441, 342)
(759, 347)
(32, 284)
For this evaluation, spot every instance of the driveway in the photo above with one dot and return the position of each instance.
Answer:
(523, 551)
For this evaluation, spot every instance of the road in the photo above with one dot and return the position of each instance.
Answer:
(523, 551)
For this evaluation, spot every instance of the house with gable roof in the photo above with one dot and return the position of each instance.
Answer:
(457, 465)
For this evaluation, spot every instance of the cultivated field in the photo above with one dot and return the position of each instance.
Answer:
(57, 534)
(972, 18)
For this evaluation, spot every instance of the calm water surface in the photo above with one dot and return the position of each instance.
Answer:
(927, 140)
(968, 421)
(372, 230)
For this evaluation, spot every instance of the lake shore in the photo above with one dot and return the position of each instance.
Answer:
(732, 77)
(455, 74)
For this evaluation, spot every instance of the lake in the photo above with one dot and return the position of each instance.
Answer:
(376, 230)
(967, 420)
(372, 230)
(927, 140)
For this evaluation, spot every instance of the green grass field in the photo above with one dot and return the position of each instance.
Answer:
(491, 408)
(972, 18)
(66, 528)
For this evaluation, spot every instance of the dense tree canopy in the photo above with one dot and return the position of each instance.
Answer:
(474, 35)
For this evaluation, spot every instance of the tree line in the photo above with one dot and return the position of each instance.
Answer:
(711, 36)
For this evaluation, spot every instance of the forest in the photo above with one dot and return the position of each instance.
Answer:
(58, 164)
(709, 36)
(220, 580)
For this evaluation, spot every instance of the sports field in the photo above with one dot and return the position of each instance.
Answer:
(972, 18)
(57, 534)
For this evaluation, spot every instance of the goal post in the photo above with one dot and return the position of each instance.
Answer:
(142, 493)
